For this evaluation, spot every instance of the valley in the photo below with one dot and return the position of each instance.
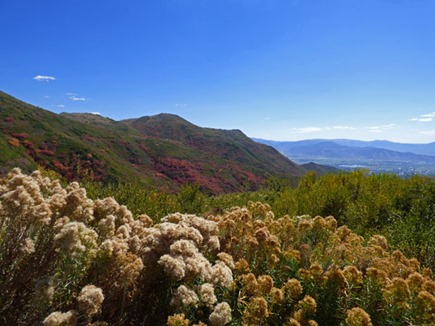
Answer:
(376, 156)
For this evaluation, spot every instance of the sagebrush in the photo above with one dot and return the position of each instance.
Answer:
(68, 260)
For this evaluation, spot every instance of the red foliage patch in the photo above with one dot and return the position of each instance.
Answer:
(59, 166)
(46, 152)
(21, 136)
(27, 144)
(184, 172)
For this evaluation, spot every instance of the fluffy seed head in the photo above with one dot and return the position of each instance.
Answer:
(221, 314)
(90, 300)
(177, 320)
(294, 288)
(184, 297)
(207, 295)
(58, 318)
(358, 317)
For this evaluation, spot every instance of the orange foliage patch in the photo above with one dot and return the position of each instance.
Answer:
(14, 142)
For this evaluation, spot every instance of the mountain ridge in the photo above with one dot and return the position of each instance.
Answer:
(163, 151)
(346, 153)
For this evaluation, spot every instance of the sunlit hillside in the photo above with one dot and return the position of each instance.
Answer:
(163, 151)
(69, 260)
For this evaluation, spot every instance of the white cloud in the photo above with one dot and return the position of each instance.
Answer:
(428, 117)
(431, 115)
(44, 78)
(182, 105)
(75, 98)
(96, 113)
(343, 128)
(307, 130)
(60, 106)
(421, 119)
(381, 128)
(427, 132)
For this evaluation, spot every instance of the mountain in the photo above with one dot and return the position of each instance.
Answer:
(163, 151)
(349, 154)
(225, 146)
(422, 149)
(319, 168)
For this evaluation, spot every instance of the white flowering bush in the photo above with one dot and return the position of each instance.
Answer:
(69, 260)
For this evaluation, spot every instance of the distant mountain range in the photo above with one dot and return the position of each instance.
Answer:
(162, 151)
(377, 156)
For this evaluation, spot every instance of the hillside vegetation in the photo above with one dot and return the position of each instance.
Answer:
(181, 225)
(66, 259)
(402, 209)
(163, 151)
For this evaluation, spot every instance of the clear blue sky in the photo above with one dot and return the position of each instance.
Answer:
(276, 69)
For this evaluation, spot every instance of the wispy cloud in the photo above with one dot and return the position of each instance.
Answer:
(421, 119)
(307, 130)
(180, 105)
(60, 106)
(428, 115)
(427, 132)
(44, 78)
(75, 98)
(424, 117)
(381, 128)
(343, 128)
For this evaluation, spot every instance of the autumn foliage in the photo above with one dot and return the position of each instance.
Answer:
(68, 260)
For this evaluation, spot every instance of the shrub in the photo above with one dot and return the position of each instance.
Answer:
(68, 260)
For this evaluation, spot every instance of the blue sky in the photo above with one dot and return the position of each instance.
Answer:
(275, 69)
